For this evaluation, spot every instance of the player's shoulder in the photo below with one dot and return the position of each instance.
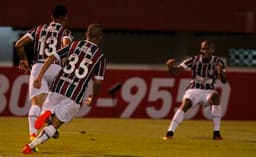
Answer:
(75, 42)
(217, 58)
(67, 29)
(43, 25)
(36, 28)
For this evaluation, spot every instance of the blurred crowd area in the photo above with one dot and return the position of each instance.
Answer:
(149, 32)
(151, 47)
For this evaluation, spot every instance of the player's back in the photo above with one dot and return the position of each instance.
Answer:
(47, 39)
(83, 58)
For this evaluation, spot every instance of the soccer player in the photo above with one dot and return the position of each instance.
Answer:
(85, 60)
(46, 39)
(205, 68)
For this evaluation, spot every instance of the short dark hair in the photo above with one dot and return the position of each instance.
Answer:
(59, 11)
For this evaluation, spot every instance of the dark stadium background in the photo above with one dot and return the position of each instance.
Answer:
(148, 32)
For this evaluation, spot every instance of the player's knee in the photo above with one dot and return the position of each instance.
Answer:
(214, 99)
(186, 104)
(38, 100)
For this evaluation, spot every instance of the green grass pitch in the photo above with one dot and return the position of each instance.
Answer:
(105, 137)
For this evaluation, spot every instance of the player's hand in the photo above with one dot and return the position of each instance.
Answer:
(221, 73)
(89, 101)
(219, 68)
(24, 65)
(37, 83)
(170, 62)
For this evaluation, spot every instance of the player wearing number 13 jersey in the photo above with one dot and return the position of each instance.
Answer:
(84, 60)
(46, 39)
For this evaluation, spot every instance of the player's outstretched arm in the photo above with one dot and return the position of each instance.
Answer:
(221, 74)
(173, 69)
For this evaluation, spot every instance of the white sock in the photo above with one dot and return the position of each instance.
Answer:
(216, 117)
(44, 135)
(34, 112)
(176, 120)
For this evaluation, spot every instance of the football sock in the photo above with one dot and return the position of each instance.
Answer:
(32, 116)
(216, 115)
(44, 135)
(177, 119)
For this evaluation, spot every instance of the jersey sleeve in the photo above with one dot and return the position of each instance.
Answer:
(100, 69)
(31, 33)
(62, 53)
(187, 63)
(221, 62)
(68, 35)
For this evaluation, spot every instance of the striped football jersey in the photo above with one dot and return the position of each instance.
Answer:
(47, 39)
(85, 59)
(204, 74)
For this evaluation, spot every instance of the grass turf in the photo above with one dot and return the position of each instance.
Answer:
(89, 137)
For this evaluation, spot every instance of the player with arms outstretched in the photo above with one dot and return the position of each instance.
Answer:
(205, 68)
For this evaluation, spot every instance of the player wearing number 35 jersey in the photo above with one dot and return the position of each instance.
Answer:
(84, 61)
(46, 39)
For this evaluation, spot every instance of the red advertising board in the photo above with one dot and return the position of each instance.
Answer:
(144, 93)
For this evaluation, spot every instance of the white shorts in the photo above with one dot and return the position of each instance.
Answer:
(64, 108)
(199, 96)
(47, 79)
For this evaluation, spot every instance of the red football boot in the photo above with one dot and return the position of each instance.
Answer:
(27, 150)
(41, 120)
